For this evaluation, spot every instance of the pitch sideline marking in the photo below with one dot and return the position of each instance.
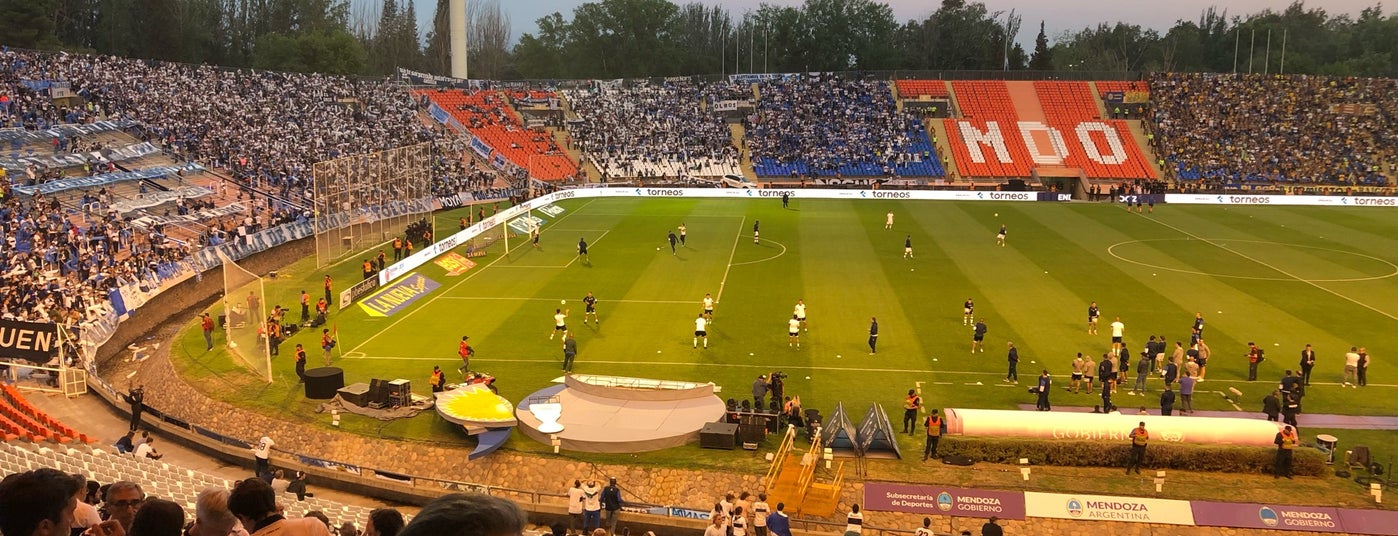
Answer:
(1274, 268)
(741, 223)
(448, 290)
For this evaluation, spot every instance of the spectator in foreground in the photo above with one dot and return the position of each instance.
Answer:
(37, 503)
(462, 514)
(123, 499)
(211, 515)
(158, 517)
(255, 506)
(384, 522)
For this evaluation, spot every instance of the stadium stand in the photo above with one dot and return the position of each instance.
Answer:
(20, 419)
(1047, 123)
(652, 131)
(912, 89)
(829, 126)
(1243, 131)
(499, 131)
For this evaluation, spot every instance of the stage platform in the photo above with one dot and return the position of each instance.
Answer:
(614, 414)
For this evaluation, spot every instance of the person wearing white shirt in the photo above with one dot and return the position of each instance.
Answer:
(760, 509)
(575, 505)
(925, 529)
(800, 312)
(1351, 367)
(701, 331)
(793, 332)
(854, 522)
(1117, 329)
(148, 451)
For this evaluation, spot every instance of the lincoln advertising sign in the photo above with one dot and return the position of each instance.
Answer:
(919, 499)
(28, 340)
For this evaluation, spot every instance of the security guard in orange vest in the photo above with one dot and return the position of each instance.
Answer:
(934, 435)
(439, 380)
(911, 405)
(1286, 443)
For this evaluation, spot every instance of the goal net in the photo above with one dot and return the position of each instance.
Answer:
(244, 311)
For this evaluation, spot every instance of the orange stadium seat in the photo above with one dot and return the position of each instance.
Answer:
(533, 151)
(912, 89)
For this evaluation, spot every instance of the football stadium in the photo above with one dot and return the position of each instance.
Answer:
(321, 267)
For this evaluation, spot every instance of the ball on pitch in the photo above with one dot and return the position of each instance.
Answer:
(657, 249)
(997, 214)
(563, 302)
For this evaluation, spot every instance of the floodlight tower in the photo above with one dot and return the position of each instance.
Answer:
(457, 12)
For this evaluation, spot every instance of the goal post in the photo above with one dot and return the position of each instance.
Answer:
(245, 319)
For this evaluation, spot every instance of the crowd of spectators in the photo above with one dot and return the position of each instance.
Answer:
(53, 270)
(1228, 131)
(50, 502)
(652, 130)
(828, 125)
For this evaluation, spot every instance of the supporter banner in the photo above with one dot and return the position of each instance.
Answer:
(327, 464)
(397, 296)
(920, 499)
(481, 148)
(1106, 508)
(63, 131)
(438, 113)
(105, 179)
(1269, 516)
(1114, 96)
(686, 513)
(31, 341)
(499, 161)
(421, 78)
(156, 198)
(1285, 200)
(731, 105)
(67, 160)
(757, 78)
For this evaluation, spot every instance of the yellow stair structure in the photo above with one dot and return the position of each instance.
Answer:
(792, 479)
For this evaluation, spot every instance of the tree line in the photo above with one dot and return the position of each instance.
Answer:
(645, 38)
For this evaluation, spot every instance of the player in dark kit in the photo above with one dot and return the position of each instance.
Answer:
(591, 302)
(582, 249)
(755, 225)
(968, 312)
(673, 241)
(1092, 315)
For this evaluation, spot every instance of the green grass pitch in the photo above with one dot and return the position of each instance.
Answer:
(1278, 276)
